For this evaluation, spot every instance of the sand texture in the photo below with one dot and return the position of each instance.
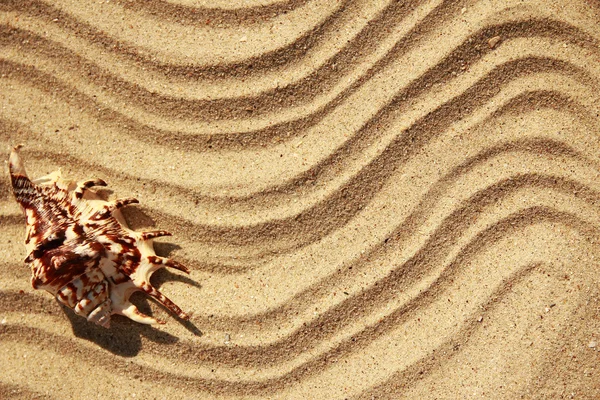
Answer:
(377, 199)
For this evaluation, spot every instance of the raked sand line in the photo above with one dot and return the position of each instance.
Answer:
(216, 12)
(307, 371)
(252, 237)
(355, 194)
(272, 102)
(382, 238)
(430, 256)
(114, 33)
(306, 175)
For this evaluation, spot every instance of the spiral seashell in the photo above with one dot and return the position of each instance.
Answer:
(81, 250)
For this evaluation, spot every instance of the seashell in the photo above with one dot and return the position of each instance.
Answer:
(80, 248)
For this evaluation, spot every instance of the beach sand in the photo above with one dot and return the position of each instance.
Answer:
(376, 199)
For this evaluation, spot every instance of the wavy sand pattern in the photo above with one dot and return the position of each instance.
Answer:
(377, 199)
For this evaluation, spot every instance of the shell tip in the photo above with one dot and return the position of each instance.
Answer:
(15, 163)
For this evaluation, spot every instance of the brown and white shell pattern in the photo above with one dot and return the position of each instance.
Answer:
(80, 248)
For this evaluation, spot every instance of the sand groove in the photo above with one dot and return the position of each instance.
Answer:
(377, 199)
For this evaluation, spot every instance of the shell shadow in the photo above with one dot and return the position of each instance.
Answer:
(123, 338)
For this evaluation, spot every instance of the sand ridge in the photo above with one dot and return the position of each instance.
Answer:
(377, 199)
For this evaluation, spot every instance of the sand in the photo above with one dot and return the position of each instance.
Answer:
(377, 199)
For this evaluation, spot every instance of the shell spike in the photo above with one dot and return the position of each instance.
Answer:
(164, 300)
(23, 189)
(132, 312)
(154, 234)
(85, 185)
(167, 262)
(119, 203)
(15, 163)
(112, 206)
